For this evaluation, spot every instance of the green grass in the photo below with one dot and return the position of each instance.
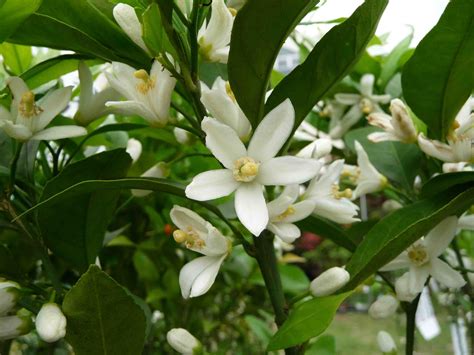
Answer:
(356, 334)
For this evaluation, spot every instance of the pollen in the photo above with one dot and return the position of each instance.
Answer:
(245, 169)
(347, 193)
(229, 91)
(288, 212)
(189, 238)
(366, 106)
(418, 254)
(28, 107)
(146, 83)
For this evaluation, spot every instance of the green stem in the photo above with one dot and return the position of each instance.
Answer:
(410, 326)
(14, 165)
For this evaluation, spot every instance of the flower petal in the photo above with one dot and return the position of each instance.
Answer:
(18, 88)
(59, 132)
(251, 208)
(184, 218)
(367, 84)
(287, 232)
(287, 170)
(322, 186)
(417, 276)
(445, 274)
(131, 108)
(438, 239)
(340, 211)
(223, 142)
(378, 137)
(278, 206)
(160, 96)
(212, 184)
(16, 131)
(128, 20)
(302, 210)
(348, 99)
(436, 149)
(197, 276)
(272, 132)
(400, 262)
(52, 104)
(218, 30)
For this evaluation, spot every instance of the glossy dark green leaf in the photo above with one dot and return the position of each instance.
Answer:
(438, 78)
(53, 68)
(260, 29)
(391, 63)
(330, 61)
(81, 26)
(399, 162)
(307, 321)
(13, 13)
(396, 232)
(15, 57)
(442, 182)
(102, 317)
(74, 228)
(154, 34)
(324, 345)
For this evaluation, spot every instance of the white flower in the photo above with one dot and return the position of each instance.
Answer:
(422, 260)
(386, 342)
(51, 323)
(329, 282)
(91, 104)
(221, 103)
(369, 179)
(247, 170)
(330, 202)
(160, 170)
(391, 205)
(466, 222)
(283, 212)
(398, 127)
(148, 95)
(182, 341)
(127, 19)
(456, 167)
(316, 150)
(459, 147)
(27, 119)
(383, 307)
(182, 136)
(403, 290)
(340, 121)
(195, 233)
(307, 132)
(14, 326)
(9, 295)
(134, 149)
(214, 37)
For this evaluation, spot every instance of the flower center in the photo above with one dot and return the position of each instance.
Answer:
(245, 169)
(418, 255)
(28, 107)
(189, 238)
(366, 106)
(347, 193)
(288, 212)
(146, 83)
(229, 91)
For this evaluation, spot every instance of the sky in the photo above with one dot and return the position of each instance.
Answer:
(421, 14)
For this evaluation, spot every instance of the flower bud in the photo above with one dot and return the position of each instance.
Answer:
(383, 307)
(128, 20)
(134, 149)
(183, 341)
(329, 282)
(386, 343)
(402, 288)
(182, 136)
(9, 295)
(51, 323)
(14, 326)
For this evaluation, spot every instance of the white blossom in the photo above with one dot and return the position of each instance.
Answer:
(13, 326)
(247, 170)
(397, 127)
(384, 307)
(148, 95)
(307, 132)
(284, 211)
(134, 149)
(369, 180)
(329, 282)
(127, 19)
(196, 234)
(422, 260)
(182, 341)
(9, 295)
(386, 343)
(27, 119)
(51, 323)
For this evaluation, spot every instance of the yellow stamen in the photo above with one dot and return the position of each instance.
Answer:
(366, 106)
(189, 237)
(418, 255)
(146, 83)
(232, 11)
(347, 193)
(288, 212)
(28, 107)
(229, 91)
(245, 169)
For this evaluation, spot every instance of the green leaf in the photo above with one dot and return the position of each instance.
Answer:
(102, 318)
(260, 29)
(307, 321)
(396, 232)
(16, 58)
(86, 27)
(260, 328)
(438, 79)
(399, 162)
(329, 62)
(154, 34)
(13, 13)
(293, 279)
(74, 228)
(53, 68)
(443, 182)
(327, 229)
(391, 63)
(324, 345)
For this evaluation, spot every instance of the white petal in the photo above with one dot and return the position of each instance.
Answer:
(348, 99)
(197, 276)
(383, 99)
(287, 170)
(302, 210)
(19, 132)
(346, 122)
(340, 211)
(287, 232)
(184, 218)
(223, 142)
(278, 206)
(5, 114)
(251, 208)
(131, 108)
(272, 133)
(59, 132)
(52, 104)
(134, 149)
(322, 186)
(211, 185)
(402, 289)
(218, 30)
(367, 84)
(381, 120)
(122, 79)
(160, 96)
(438, 239)
(436, 149)
(400, 262)
(466, 222)
(18, 88)
(378, 137)
(127, 19)
(417, 277)
(445, 274)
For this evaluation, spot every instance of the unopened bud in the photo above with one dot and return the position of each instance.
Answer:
(183, 341)
(9, 295)
(51, 323)
(383, 307)
(386, 342)
(329, 282)
(14, 326)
